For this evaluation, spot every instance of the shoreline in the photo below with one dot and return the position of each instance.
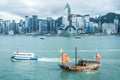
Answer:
(63, 35)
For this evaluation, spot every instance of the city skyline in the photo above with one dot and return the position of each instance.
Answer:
(19, 9)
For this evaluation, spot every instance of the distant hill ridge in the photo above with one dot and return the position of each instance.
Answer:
(107, 18)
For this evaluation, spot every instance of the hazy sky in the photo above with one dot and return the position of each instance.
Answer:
(17, 9)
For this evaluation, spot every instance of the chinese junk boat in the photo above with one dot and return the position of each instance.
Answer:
(23, 56)
(82, 65)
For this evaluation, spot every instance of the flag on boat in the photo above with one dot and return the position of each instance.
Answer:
(17, 51)
(61, 50)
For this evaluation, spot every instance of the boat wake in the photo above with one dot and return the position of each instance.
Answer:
(49, 59)
(91, 72)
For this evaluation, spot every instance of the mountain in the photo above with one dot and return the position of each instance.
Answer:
(108, 18)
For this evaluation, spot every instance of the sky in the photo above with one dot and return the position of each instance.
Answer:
(18, 9)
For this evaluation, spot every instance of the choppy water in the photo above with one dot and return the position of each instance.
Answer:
(46, 68)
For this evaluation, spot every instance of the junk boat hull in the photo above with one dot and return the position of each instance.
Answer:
(79, 68)
(82, 65)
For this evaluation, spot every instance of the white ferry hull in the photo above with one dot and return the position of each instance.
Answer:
(23, 56)
(14, 58)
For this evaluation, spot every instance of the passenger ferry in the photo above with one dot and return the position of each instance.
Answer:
(23, 56)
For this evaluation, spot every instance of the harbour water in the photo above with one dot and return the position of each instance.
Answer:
(46, 68)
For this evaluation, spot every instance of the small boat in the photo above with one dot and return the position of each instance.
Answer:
(82, 65)
(42, 37)
(23, 56)
(11, 32)
(77, 37)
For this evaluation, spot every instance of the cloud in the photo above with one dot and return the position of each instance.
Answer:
(116, 4)
(55, 8)
(93, 7)
(8, 16)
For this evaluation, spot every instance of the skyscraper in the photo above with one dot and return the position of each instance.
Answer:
(1, 25)
(66, 16)
(27, 24)
(40, 27)
(34, 23)
(13, 26)
(116, 22)
(50, 25)
(7, 23)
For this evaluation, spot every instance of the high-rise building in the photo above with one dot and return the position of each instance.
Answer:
(7, 24)
(109, 28)
(100, 24)
(50, 25)
(90, 27)
(116, 22)
(77, 20)
(31, 26)
(13, 26)
(1, 25)
(27, 24)
(44, 27)
(86, 23)
(80, 22)
(66, 16)
(34, 23)
(95, 28)
(40, 27)
(21, 27)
